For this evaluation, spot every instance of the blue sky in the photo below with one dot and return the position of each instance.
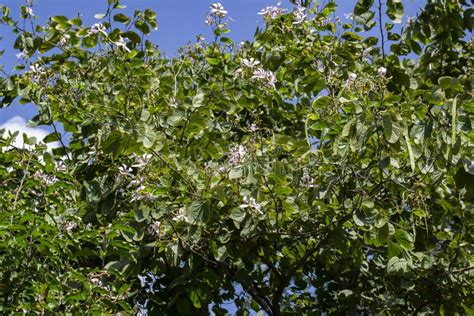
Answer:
(179, 21)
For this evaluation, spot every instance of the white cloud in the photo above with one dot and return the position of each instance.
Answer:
(19, 124)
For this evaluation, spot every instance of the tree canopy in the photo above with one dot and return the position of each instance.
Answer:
(315, 169)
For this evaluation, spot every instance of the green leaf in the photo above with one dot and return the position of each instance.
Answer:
(238, 215)
(404, 239)
(195, 297)
(122, 18)
(410, 151)
(99, 16)
(395, 10)
(53, 137)
(213, 61)
(198, 99)
(199, 211)
(397, 265)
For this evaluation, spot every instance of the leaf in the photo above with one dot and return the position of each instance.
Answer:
(410, 151)
(198, 99)
(195, 297)
(118, 266)
(99, 16)
(213, 61)
(238, 214)
(236, 173)
(395, 10)
(321, 102)
(345, 293)
(404, 239)
(122, 18)
(397, 265)
(199, 211)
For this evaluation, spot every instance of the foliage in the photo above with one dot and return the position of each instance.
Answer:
(306, 171)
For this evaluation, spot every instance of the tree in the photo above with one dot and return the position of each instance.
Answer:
(306, 171)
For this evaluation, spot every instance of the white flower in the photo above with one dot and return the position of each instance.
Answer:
(142, 161)
(21, 54)
(349, 16)
(239, 72)
(124, 170)
(299, 15)
(209, 20)
(249, 202)
(272, 12)
(237, 154)
(59, 166)
(63, 40)
(121, 43)
(352, 76)
(37, 69)
(48, 180)
(154, 228)
(142, 308)
(253, 128)
(267, 77)
(306, 181)
(250, 63)
(97, 28)
(181, 216)
(382, 71)
(29, 11)
(70, 226)
(217, 9)
(148, 281)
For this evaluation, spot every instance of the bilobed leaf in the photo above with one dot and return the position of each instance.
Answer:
(404, 239)
(199, 211)
(397, 265)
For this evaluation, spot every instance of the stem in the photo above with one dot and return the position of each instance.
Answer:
(381, 29)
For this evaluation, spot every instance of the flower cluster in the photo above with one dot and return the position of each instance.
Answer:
(382, 71)
(137, 180)
(217, 12)
(265, 77)
(29, 11)
(36, 72)
(299, 15)
(250, 203)
(67, 226)
(237, 154)
(253, 128)
(142, 161)
(351, 79)
(154, 228)
(22, 54)
(307, 181)
(97, 28)
(181, 216)
(148, 281)
(47, 179)
(257, 74)
(272, 12)
(121, 43)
